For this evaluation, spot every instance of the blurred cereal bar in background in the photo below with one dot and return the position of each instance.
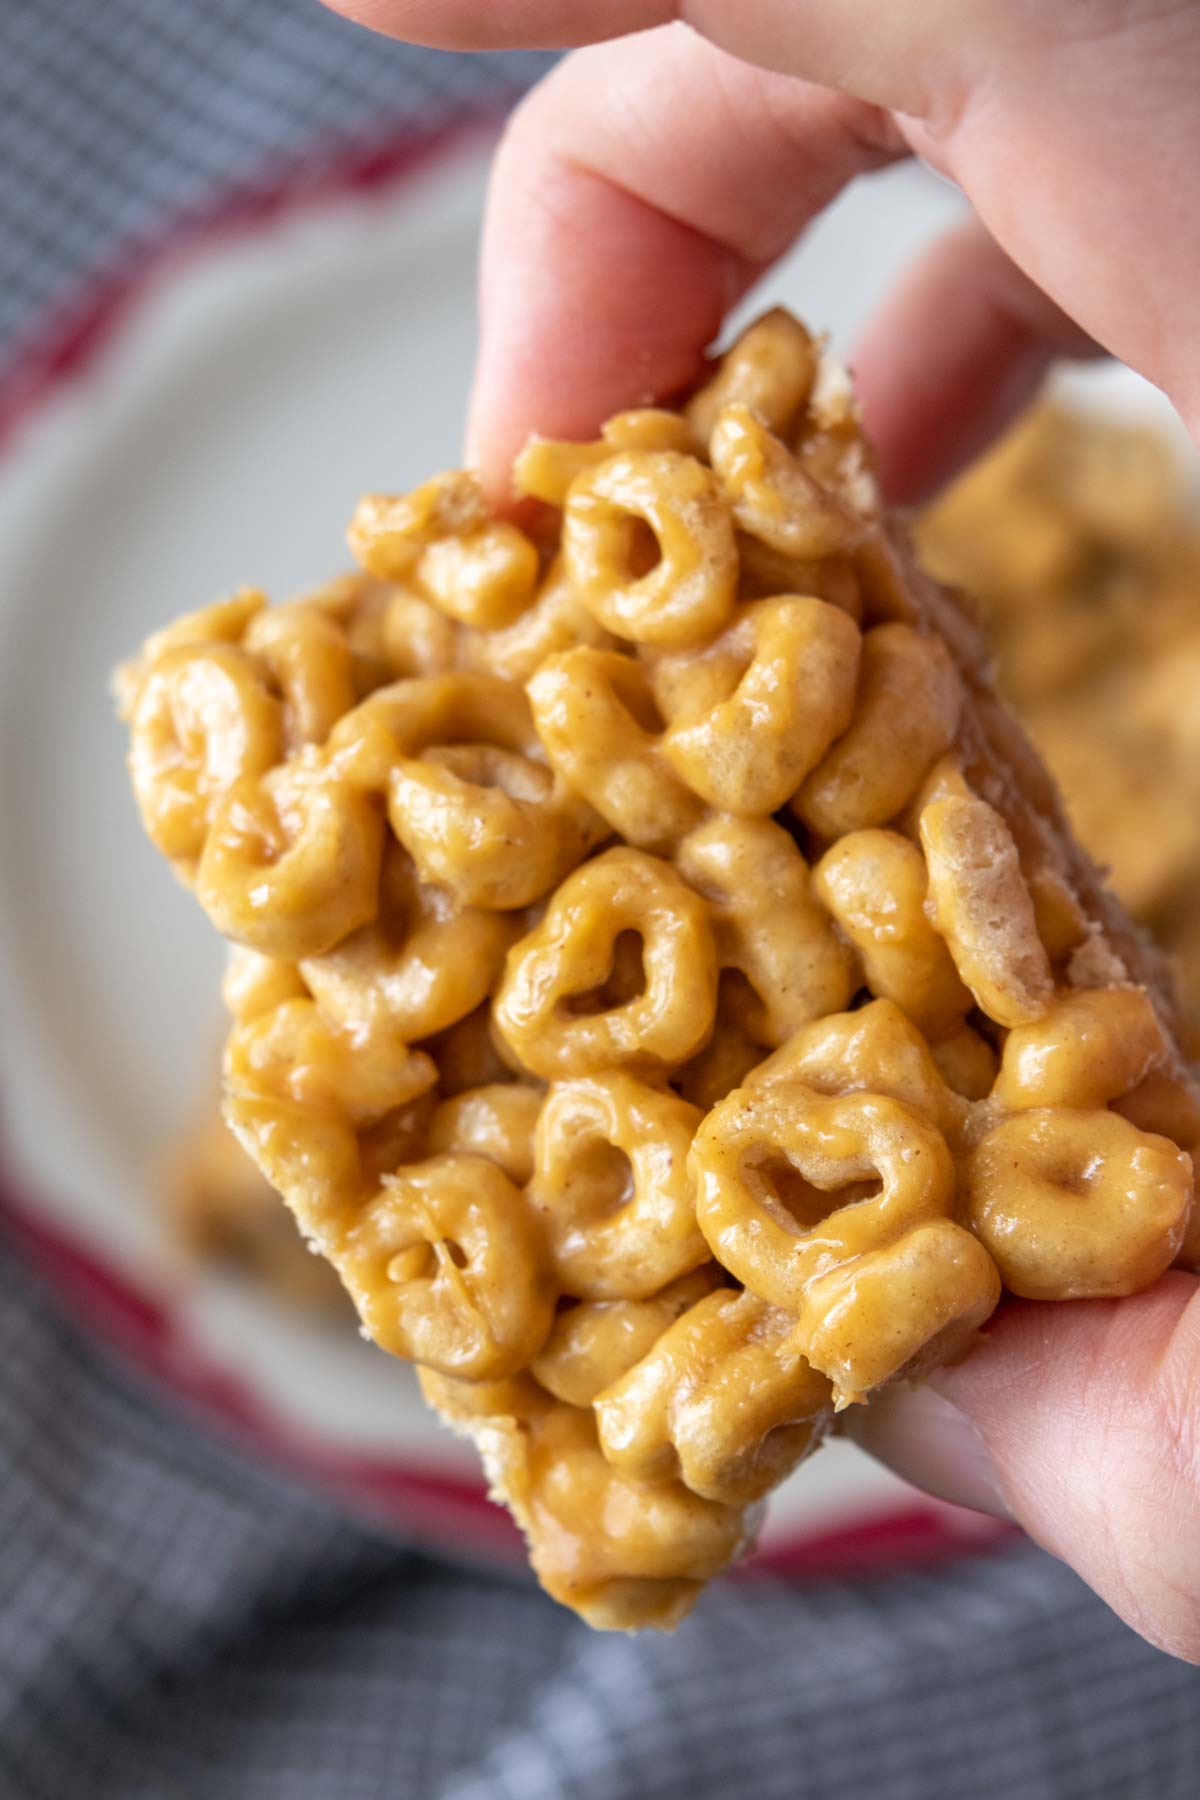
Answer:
(223, 1212)
(1081, 541)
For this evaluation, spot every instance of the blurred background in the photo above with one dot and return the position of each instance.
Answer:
(237, 250)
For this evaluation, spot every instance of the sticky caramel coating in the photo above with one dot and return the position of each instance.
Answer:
(612, 1182)
(622, 1553)
(415, 638)
(311, 663)
(555, 620)
(655, 1536)
(319, 1066)
(1091, 1047)
(875, 1050)
(506, 811)
(254, 983)
(222, 622)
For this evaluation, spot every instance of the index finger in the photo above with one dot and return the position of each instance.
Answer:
(886, 53)
(619, 235)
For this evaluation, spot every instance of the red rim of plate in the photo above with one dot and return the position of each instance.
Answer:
(135, 1323)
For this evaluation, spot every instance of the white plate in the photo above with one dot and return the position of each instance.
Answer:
(222, 436)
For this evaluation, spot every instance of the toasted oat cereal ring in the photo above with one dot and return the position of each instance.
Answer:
(486, 578)
(594, 1343)
(389, 532)
(551, 1007)
(874, 884)
(1092, 1046)
(967, 1061)
(900, 1309)
(294, 1052)
(770, 369)
(876, 1050)
(755, 711)
(468, 791)
(556, 620)
(446, 1267)
(772, 495)
(291, 862)
(309, 1156)
(1077, 1205)
(720, 1400)
(730, 1053)
(979, 902)
(253, 983)
(768, 1160)
(621, 1552)
(424, 963)
(688, 593)
(595, 716)
(612, 1182)
(769, 927)
(312, 664)
(466, 1403)
(546, 467)
(223, 622)
(906, 715)
(497, 1121)
(477, 569)
(204, 717)
(416, 639)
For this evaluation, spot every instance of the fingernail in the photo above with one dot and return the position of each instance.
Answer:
(928, 1441)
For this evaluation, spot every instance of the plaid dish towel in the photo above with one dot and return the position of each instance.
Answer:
(178, 1623)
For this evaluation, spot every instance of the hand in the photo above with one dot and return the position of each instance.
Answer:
(638, 192)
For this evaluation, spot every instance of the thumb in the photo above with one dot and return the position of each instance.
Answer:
(1081, 1420)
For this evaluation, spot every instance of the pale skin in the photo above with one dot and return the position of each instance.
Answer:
(682, 162)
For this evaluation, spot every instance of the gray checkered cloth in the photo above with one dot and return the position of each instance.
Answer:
(178, 1622)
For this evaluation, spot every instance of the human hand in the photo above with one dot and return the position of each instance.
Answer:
(648, 182)
(638, 192)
